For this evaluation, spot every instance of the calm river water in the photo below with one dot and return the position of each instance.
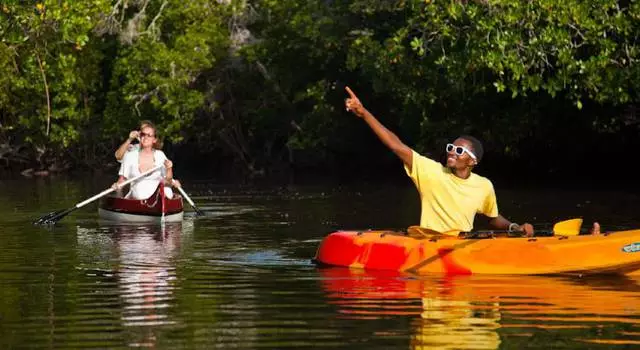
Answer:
(242, 276)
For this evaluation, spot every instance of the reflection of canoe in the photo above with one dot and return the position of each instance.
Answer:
(614, 253)
(146, 210)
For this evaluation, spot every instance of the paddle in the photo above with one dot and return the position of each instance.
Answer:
(422, 232)
(193, 205)
(567, 227)
(53, 217)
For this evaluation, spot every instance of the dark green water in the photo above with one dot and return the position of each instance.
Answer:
(242, 276)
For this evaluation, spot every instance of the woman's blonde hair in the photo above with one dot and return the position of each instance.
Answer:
(145, 122)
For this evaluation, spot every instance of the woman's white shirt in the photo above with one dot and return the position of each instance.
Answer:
(130, 148)
(144, 188)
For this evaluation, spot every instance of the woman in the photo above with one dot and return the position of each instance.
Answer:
(147, 157)
(129, 144)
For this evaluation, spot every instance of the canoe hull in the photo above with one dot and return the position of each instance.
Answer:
(149, 210)
(109, 215)
(616, 253)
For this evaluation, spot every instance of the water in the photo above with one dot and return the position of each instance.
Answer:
(242, 276)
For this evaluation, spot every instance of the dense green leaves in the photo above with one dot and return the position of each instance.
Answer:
(47, 71)
(161, 54)
(261, 81)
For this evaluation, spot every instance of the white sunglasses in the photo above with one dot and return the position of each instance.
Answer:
(459, 150)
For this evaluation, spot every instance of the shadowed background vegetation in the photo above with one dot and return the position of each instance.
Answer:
(255, 88)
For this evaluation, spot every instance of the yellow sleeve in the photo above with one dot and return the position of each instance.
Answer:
(422, 169)
(490, 205)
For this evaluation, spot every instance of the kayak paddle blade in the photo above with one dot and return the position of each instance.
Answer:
(568, 227)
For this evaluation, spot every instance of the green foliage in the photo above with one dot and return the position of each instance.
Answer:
(161, 56)
(47, 71)
(262, 80)
(442, 60)
(582, 48)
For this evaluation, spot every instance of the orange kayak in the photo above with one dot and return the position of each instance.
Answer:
(611, 253)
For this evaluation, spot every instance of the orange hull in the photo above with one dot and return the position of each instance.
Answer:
(614, 253)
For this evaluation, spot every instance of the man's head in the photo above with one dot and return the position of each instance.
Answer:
(465, 152)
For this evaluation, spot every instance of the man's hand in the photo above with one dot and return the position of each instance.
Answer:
(527, 229)
(353, 104)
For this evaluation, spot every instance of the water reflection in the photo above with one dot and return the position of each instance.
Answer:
(146, 272)
(144, 259)
(240, 278)
(485, 312)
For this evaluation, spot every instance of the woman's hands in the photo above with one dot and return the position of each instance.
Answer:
(116, 185)
(134, 134)
(169, 179)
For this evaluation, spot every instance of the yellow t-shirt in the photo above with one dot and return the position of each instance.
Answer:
(449, 202)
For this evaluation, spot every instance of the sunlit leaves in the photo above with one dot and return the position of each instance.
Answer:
(563, 43)
(155, 75)
(49, 76)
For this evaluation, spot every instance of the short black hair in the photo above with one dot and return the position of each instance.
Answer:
(478, 150)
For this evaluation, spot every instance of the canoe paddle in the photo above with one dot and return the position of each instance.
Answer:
(53, 217)
(193, 205)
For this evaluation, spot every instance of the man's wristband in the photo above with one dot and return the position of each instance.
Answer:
(513, 226)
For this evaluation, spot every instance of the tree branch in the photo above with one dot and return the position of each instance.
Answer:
(46, 91)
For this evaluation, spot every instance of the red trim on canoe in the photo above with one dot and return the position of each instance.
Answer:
(151, 206)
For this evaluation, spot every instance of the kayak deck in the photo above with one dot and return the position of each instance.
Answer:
(614, 253)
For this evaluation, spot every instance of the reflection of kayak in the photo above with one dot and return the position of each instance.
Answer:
(530, 297)
(613, 253)
(146, 210)
(489, 311)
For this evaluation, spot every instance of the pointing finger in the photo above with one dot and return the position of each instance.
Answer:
(351, 94)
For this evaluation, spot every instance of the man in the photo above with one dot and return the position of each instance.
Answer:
(450, 195)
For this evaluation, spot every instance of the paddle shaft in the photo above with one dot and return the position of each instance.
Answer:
(55, 216)
(184, 194)
(107, 191)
